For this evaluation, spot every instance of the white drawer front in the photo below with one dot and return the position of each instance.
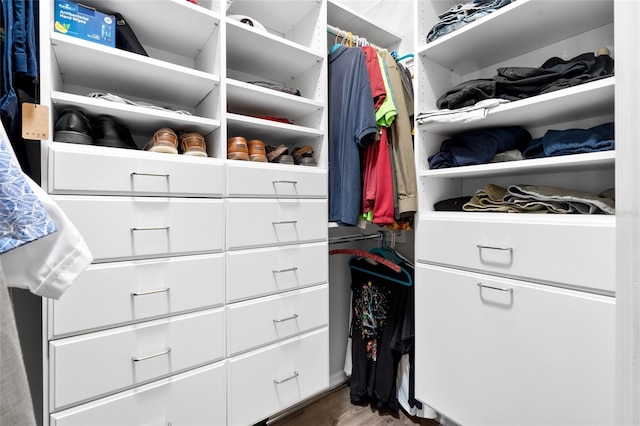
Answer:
(266, 320)
(258, 272)
(576, 253)
(78, 169)
(259, 223)
(95, 364)
(271, 379)
(197, 397)
(269, 180)
(110, 294)
(124, 227)
(514, 354)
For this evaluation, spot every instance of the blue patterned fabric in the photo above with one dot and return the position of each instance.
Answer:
(23, 217)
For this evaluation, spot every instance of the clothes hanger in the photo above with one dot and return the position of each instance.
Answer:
(403, 277)
(366, 254)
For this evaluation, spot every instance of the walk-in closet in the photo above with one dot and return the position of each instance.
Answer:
(283, 212)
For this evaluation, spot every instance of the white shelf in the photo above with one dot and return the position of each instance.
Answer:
(162, 24)
(515, 29)
(277, 16)
(270, 57)
(588, 161)
(346, 19)
(586, 100)
(250, 99)
(271, 132)
(88, 64)
(139, 120)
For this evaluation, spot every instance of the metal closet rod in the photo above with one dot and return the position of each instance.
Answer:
(344, 34)
(350, 238)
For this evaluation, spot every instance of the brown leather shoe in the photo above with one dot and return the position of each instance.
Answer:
(237, 148)
(257, 151)
(164, 140)
(192, 143)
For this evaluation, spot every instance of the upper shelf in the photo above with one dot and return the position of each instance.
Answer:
(592, 99)
(348, 20)
(176, 26)
(87, 64)
(273, 58)
(510, 31)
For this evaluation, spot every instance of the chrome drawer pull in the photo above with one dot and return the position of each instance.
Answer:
(480, 246)
(292, 317)
(284, 222)
(494, 288)
(151, 174)
(286, 270)
(277, 382)
(143, 358)
(144, 293)
(292, 182)
(160, 228)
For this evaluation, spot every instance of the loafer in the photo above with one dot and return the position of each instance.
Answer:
(274, 152)
(237, 148)
(192, 143)
(73, 126)
(163, 140)
(304, 156)
(257, 151)
(111, 133)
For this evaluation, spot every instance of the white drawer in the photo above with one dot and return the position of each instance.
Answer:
(573, 252)
(514, 354)
(266, 320)
(95, 364)
(276, 377)
(267, 180)
(125, 227)
(110, 294)
(259, 272)
(260, 223)
(195, 398)
(78, 169)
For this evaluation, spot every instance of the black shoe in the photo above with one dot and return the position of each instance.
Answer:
(73, 126)
(108, 132)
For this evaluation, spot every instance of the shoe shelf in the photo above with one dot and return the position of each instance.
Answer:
(139, 120)
(473, 46)
(90, 66)
(271, 132)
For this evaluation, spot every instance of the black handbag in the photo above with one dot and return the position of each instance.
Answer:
(125, 37)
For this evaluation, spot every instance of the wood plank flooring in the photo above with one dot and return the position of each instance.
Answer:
(336, 409)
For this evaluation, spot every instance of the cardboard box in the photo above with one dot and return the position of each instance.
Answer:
(84, 22)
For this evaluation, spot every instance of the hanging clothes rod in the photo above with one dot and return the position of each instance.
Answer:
(351, 238)
(357, 40)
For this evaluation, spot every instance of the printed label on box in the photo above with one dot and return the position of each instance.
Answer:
(84, 22)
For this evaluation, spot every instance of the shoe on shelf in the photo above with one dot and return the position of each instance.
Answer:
(304, 156)
(73, 126)
(192, 143)
(237, 149)
(163, 140)
(274, 152)
(284, 159)
(111, 133)
(257, 151)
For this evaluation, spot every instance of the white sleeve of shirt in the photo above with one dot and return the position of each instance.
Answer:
(49, 265)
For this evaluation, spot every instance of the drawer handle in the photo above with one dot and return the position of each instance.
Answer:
(286, 270)
(480, 246)
(160, 228)
(163, 175)
(277, 382)
(510, 290)
(143, 358)
(292, 182)
(292, 317)
(144, 293)
(284, 222)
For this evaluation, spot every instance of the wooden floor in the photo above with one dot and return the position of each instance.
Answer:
(336, 409)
